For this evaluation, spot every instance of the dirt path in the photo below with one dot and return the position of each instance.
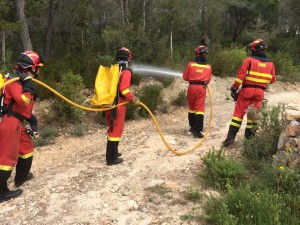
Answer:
(73, 185)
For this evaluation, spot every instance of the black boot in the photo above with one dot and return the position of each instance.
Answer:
(231, 135)
(22, 171)
(198, 126)
(191, 117)
(249, 131)
(5, 193)
(112, 153)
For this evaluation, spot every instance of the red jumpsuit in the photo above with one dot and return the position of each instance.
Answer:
(115, 118)
(14, 141)
(198, 75)
(254, 75)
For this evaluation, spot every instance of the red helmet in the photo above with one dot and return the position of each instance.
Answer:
(258, 45)
(201, 49)
(124, 54)
(29, 59)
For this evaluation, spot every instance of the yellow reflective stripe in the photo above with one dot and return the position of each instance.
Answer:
(235, 124)
(200, 65)
(238, 80)
(258, 80)
(26, 156)
(199, 113)
(113, 138)
(6, 168)
(249, 126)
(125, 91)
(237, 118)
(25, 99)
(27, 78)
(260, 74)
(249, 121)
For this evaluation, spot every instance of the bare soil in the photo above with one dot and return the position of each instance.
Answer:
(73, 185)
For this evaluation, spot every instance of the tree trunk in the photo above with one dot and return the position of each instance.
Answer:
(49, 31)
(3, 46)
(171, 40)
(26, 42)
(144, 15)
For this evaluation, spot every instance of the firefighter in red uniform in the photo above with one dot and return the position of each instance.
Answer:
(256, 72)
(115, 118)
(16, 145)
(198, 73)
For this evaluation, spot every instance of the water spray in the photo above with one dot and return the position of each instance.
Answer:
(154, 70)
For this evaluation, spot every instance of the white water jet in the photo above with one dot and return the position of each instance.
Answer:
(154, 70)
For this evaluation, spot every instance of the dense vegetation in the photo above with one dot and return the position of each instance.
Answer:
(252, 188)
(78, 35)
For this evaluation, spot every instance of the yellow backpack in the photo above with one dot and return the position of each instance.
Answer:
(106, 86)
(1, 82)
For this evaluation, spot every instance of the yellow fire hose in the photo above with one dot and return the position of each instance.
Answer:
(138, 103)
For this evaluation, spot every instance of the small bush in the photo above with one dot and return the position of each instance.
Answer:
(228, 61)
(220, 172)
(193, 195)
(167, 81)
(136, 79)
(70, 88)
(131, 112)
(78, 130)
(47, 136)
(151, 96)
(181, 99)
(269, 127)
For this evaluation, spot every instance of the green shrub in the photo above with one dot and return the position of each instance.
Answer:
(285, 68)
(70, 88)
(193, 195)
(167, 81)
(228, 61)
(243, 206)
(78, 130)
(47, 136)
(131, 112)
(269, 127)
(136, 79)
(151, 97)
(220, 172)
(181, 99)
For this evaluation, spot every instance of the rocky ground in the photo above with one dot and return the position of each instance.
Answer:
(73, 185)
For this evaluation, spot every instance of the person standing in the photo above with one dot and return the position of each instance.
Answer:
(198, 74)
(256, 72)
(115, 118)
(16, 144)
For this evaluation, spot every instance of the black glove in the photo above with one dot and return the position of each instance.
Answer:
(32, 129)
(234, 93)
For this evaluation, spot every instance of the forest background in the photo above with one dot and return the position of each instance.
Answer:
(79, 35)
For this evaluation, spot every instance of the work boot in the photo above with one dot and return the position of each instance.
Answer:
(227, 142)
(191, 118)
(197, 134)
(114, 162)
(230, 136)
(7, 195)
(198, 126)
(112, 153)
(18, 182)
